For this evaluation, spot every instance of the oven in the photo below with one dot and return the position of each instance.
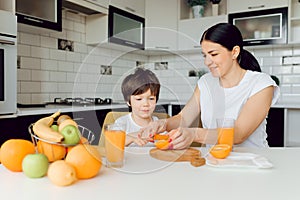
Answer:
(8, 63)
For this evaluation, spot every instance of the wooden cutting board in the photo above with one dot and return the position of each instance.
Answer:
(185, 155)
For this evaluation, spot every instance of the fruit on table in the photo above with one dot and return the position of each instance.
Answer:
(61, 118)
(42, 128)
(71, 134)
(54, 127)
(13, 152)
(61, 173)
(35, 165)
(220, 151)
(52, 151)
(162, 144)
(83, 140)
(85, 159)
(66, 123)
(160, 137)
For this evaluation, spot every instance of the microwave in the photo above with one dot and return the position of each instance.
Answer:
(125, 28)
(262, 27)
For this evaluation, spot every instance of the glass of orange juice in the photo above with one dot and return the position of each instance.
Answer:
(225, 127)
(114, 144)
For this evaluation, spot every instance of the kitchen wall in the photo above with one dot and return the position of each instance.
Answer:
(45, 72)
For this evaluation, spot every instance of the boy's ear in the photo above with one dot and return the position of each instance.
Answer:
(128, 103)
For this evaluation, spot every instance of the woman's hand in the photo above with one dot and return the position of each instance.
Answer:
(153, 128)
(181, 138)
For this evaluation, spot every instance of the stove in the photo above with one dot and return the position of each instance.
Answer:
(71, 102)
(77, 101)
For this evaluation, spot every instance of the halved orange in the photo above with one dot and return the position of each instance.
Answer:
(220, 151)
(162, 144)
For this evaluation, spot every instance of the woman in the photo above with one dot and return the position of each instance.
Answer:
(234, 88)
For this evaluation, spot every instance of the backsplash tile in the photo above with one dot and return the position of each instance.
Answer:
(46, 72)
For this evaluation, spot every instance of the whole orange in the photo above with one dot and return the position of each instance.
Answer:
(61, 173)
(52, 151)
(85, 159)
(13, 151)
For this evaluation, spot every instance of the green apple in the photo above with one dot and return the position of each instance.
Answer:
(71, 135)
(54, 127)
(35, 165)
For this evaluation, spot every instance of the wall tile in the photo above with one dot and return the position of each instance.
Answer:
(30, 39)
(24, 75)
(48, 42)
(38, 75)
(40, 52)
(30, 87)
(30, 63)
(49, 87)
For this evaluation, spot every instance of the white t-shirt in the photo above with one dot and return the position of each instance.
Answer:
(213, 106)
(131, 126)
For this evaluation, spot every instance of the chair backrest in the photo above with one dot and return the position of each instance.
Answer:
(113, 115)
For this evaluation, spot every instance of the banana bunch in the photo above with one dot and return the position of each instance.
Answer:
(44, 130)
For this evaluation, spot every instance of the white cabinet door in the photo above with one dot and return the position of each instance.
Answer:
(292, 134)
(191, 30)
(294, 25)
(161, 24)
(8, 5)
(136, 7)
(96, 29)
(234, 6)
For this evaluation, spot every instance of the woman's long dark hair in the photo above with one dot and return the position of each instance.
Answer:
(229, 36)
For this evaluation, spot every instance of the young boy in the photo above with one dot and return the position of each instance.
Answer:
(141, 93)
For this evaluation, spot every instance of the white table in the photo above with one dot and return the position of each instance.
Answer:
(144, 177)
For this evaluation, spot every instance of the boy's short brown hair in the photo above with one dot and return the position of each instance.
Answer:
(139, 82)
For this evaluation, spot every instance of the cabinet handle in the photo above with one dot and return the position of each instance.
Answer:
(197, 46)
(162, 47)
(255, 7)
(130, 43)
(7, 42)
(34, 20)
(130, 9)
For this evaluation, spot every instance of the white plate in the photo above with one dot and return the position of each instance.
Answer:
(237, 159)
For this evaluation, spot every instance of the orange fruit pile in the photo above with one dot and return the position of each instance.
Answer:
(13, 151)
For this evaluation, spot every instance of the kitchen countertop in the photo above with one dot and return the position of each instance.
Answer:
(144, 177)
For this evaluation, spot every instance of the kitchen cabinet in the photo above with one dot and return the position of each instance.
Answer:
(292, 135)
(161, 24)
(87, 7)
(275, 127)
(191, 30)
(294, 21)
(8, 5)
(136, 7)
(39, 14)
(96, 29)
(234, 6)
